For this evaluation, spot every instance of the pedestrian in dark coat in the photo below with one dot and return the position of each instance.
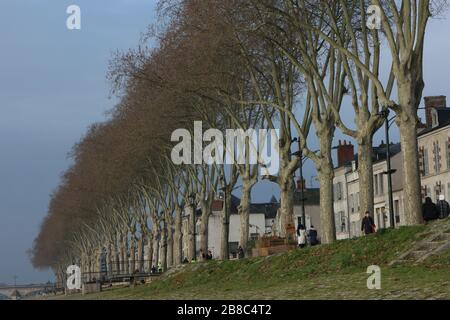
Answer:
(367, 224)
(429, 210)
(312, 236)
(443, 207)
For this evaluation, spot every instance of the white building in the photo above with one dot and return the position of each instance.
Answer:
(434, 149)
(434, 161)
(262, 217)
(260, 220)
(346, 197)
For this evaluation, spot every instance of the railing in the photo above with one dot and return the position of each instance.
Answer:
(120, 271)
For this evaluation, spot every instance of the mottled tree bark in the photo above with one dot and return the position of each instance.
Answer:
(365, 172)
(178, 244)
(224, 237)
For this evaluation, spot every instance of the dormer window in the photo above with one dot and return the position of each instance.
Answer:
(434, 118)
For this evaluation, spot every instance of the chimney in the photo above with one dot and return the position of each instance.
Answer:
(433, 102)
(345, 153)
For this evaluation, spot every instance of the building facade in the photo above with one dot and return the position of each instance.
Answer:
(434, 149)
(346, 189)
(434, 162)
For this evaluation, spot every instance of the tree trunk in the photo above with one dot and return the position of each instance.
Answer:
(325, 173)
(156, 240)
(110, 255)
(132, 258)
(411, 178)
(169, 246)
(286, 201)
(126, 258)
(191, 243)
(122, 253)
(244, 214)
(149, 252)
(178, 245)
(365, 172)
(163, 247)
(204, 224)
(224, 250)
(141, 253)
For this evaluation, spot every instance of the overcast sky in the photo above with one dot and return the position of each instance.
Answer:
(52, 86)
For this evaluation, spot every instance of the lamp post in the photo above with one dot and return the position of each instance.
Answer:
(299, 154)
(389, 171)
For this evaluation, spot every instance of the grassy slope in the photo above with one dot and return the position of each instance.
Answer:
(325, 272)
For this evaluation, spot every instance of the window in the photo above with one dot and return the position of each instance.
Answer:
(426, 169)
(434, 119)
(357, 201)
(381, 184)
(375, 180)
(447, 156)
(254, 236)
(337, 190)
(352, 203)
(448, 190)
(343, 225)
(397, 211)
(437, 157)
(233, 247)
(299, 221)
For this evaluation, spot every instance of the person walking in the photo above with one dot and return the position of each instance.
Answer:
(312, 236)
(241, 254)
(367, 224)
(301, 236)
(443, 207)
(429, 210)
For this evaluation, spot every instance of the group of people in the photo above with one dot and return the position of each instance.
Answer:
(432, 211)
(157, 270)
(205, 256)
(305, 237)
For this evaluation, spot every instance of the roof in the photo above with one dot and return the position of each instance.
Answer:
(311, 197)
(443, 115)
(268, 208)
(378, 153)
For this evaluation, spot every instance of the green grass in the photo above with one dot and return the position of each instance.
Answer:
(325, 272)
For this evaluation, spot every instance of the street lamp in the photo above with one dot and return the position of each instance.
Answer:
(303, 159)
(389, 172)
